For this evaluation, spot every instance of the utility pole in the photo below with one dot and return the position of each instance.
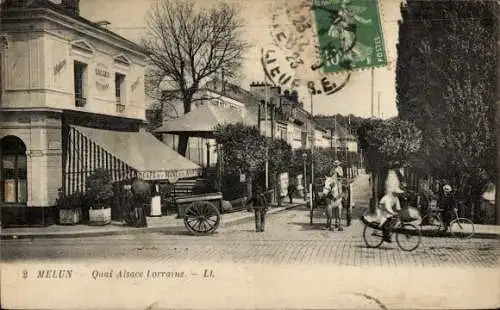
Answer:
(312, 153)
(373, 89)
(336, 135)
(378, 105)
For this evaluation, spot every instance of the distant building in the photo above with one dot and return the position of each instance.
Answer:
(293, 118)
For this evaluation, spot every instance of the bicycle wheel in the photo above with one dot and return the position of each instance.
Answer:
(432, 223)
(462, 228)
(408, 237)
(373, 237)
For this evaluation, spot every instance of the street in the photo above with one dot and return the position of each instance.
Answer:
(288, 239)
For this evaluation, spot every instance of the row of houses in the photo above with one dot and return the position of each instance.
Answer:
(286, 118)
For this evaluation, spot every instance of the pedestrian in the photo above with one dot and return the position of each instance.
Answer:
(142, 193)
(127, 203)
(259, 205)
(448, 204)
(291, 190)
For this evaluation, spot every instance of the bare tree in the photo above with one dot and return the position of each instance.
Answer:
(188, 46)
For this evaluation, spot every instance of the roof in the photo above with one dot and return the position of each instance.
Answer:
(62, 10)
(232, 91)
(141, 151)
(201, 120)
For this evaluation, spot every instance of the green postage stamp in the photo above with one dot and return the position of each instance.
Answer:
(349, 34)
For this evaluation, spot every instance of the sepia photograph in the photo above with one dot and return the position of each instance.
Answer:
(237, 154)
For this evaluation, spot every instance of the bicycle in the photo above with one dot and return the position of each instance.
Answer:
(459, 226)
(408, 236)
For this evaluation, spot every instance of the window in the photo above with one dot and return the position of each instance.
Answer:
(120, 88)
(80, 80)
(14, 171)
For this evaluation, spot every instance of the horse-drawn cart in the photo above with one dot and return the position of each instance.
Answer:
(201, 211)
(318, 208)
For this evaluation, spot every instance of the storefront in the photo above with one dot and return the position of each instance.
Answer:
(64, 149)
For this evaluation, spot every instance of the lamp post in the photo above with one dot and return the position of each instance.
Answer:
(304, 157)
(313, 130)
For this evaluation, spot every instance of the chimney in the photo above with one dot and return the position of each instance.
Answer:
(71, 5)
(258, 89)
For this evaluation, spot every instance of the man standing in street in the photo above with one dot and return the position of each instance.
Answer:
(259, 205)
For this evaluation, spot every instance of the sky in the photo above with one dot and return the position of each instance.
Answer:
(127, 18)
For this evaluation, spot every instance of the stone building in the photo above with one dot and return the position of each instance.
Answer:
(72, 101)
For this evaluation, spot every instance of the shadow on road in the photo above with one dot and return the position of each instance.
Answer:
(307, 226)
(382, 247)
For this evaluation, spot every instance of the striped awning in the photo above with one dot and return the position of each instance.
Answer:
(152, 159)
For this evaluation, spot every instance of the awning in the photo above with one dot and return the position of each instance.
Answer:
(201, 121)
(152, 159)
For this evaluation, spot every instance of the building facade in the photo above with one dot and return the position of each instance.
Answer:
(73, 100)
(292, 117)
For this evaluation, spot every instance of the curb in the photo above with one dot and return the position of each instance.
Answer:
(133, 231)
(477, 235)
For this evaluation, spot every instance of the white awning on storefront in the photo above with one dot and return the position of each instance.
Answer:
(152, 159)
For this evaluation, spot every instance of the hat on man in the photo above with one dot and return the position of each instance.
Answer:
(447, 188)
(336, 163)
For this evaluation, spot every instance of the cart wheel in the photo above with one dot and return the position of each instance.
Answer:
(202, 218)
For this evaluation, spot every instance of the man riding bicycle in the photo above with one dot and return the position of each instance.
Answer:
(448, 204)
(388, 208)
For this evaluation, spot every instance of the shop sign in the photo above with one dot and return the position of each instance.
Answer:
(102, 77)
(172, 176)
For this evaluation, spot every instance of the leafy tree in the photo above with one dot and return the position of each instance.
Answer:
(350, 121)
(446, 81)
(188, 46)
(388, 144)
(323, 162)
(280, 155)
(243, 149)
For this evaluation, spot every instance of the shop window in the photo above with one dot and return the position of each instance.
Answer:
(80, 81)
(14, 171)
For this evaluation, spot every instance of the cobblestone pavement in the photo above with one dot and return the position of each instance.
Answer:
(288, 239)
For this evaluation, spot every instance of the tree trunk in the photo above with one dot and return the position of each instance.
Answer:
(184, 139)
(183, 143)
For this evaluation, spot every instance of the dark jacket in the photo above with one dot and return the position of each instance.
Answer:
(258, 201)
(448, 203)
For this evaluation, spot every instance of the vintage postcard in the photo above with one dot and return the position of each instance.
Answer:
(236, 154)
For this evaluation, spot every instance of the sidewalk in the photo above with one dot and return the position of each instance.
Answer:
(168, 223)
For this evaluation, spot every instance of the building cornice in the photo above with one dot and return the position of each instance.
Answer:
(72, 24)
(54, 110)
